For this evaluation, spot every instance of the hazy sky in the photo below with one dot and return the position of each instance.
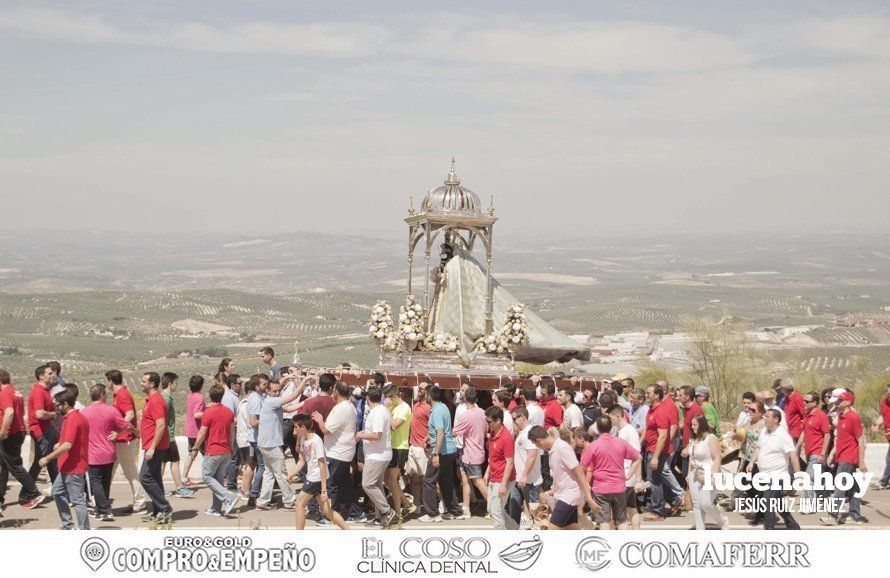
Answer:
(280, 115)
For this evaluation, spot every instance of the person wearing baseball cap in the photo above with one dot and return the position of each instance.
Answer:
(848, 454)
(703, 398)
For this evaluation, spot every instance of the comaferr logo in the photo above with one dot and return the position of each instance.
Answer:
(593, 554)
(714, 555)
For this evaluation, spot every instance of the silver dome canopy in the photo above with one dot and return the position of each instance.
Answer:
(451, 198)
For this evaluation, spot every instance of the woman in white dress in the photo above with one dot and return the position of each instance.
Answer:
(703, 452)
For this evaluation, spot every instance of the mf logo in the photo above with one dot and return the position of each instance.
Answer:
(593, 554)
(372, 548)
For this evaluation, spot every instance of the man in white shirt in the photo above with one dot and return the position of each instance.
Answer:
(745, 417)
(527, 459)
(774, 455)
(339, 445)
(378, 453)
(535, 412)
(571, 413)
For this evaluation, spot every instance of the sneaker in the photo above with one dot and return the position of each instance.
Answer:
(184, 492)
(229, 504)
(426, 519)
(857, 521)
(288, 507)
(105, 517)
(212, 512)
(322, 522)
(829, 521)
(263, 507)
(409, 510)
(374, 522)
(390, 519)
(34, 502)
(164, 519)
(676, 509)
(148, 517)
(360, 518)
(462, 516)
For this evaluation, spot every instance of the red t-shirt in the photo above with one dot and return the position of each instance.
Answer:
(846, 445)
(12, 399)
(500, 447)
(123, 401)
(673, 413)
(420, 425)
(323, 404)
(815, 428)
(795, 411)
(688, 413)
(218, 420)
(39, 398)
(155, 409)
(658, 418)
(552, 413)
(76, 430)
(885, 414)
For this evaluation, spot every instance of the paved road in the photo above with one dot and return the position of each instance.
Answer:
(188, 512)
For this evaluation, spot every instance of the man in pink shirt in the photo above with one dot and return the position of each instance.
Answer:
(570, 488)
(471, 425)
(105, 422)
(604, 459)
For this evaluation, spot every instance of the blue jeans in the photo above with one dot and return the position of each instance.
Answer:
(150, 476)
(232, 470)
(811, 463)
(854, 502)
(663, 480)
(520, 497)
(71, 488)
(769, 516)
(257, 482)
(43, 446)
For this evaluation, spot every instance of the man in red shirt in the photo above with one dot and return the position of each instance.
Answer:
(815, 439)
(72, 452)
(795, 409)
(323, 403)
(216, 429)
(126, 445)
(884, 420)
(41, 414)
(552, 418)
(848, 454)
(418, 442)
(662, 417)
(155, 442)
(686, 398)
(12, 436)
(500, 476)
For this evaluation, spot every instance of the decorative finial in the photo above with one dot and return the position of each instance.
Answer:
(491, 207)
(452, 178)
(411, 205)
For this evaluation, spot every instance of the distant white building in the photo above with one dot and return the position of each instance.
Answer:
(675, 344)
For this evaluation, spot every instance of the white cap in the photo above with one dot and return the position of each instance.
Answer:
(834, 393)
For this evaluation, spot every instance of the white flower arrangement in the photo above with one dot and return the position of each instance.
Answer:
(441, 342)
(381, 326)
(411, 322)
(513, 333)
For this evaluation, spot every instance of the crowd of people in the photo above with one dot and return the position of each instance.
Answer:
(606, 455)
